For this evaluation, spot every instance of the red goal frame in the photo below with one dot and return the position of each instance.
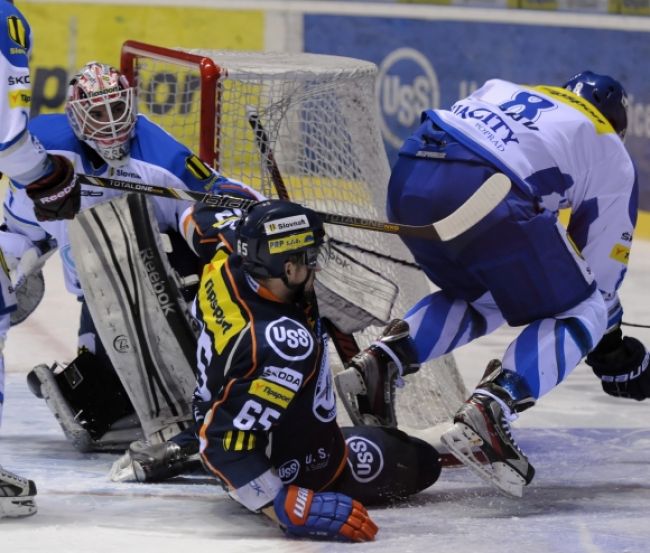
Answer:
(209, 72)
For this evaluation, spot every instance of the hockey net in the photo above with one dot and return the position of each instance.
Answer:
(321, 120)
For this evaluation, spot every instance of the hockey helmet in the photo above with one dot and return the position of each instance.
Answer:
(604, 92)
(273, 232)
(101, 110)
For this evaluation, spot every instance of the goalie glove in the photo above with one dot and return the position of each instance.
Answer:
(621, 363)
(31, 262)
(304, 513)
(25, 259)
(57, 195)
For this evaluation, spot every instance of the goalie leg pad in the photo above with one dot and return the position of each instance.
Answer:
(386, 464)
(138, 309)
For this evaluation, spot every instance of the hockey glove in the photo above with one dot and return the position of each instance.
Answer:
(621, 363)
(324, 515)
(58, 194)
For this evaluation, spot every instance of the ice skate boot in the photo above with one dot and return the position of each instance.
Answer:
(147, 462)
(367, 386)
(16, 495)
(483, 424)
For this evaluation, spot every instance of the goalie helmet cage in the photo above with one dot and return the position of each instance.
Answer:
(320, 116)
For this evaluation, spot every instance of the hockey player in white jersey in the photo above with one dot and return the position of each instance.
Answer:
(562, 147)
(102, 135)
(48, 180)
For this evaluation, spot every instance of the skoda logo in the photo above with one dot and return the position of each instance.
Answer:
(407, 85)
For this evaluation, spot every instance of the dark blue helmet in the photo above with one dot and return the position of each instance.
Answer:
(273, 232)
(607, 94)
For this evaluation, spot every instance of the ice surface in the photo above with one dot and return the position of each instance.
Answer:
(591, 493)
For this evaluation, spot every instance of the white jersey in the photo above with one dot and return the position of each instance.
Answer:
(21, 156)
(156, 158)
(541, 136)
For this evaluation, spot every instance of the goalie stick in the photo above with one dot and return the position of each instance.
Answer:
(479, 204)
(264, 146)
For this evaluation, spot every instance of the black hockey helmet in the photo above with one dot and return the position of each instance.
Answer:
(273, 232)
(604, 92)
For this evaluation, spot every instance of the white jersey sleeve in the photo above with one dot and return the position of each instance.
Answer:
(561, 151)
(21, 156)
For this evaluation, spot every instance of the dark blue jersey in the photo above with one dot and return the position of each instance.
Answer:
(264, 377)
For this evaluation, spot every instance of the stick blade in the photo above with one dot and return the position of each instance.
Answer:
(476, 208)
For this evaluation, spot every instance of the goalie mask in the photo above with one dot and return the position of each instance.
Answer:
(276, 231)
(101, 111)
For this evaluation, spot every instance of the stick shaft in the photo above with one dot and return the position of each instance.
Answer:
(484, 200)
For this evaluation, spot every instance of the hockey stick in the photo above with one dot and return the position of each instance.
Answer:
(379, 255)
(482, 202)
(635, 324)
(264, 146)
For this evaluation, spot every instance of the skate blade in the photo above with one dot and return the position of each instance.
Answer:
(17, 507)
(432, 435)
(58, 406)
(461, 440)
(122, 469)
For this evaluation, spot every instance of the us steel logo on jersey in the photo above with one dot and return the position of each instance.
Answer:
(288, 223)
(289, 339)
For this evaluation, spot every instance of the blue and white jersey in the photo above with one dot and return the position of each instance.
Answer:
(156, 158)
(562, 152)
(21, 157)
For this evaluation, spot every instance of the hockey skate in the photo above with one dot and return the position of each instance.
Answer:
(78, 427)
(146, 462)
(367, 386)
(482, 426)
(16, 495)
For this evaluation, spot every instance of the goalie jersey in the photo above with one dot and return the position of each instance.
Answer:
(156, 158)
(264, 379)
(560, 152)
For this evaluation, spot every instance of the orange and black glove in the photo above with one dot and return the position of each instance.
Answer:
(323, 515)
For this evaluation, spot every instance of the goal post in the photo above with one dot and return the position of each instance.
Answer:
(321, 120)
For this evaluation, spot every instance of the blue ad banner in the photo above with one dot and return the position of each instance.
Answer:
(424, 64)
